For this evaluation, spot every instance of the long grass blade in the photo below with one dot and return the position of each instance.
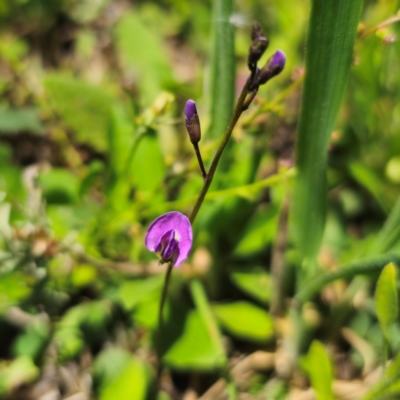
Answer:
(331, 34)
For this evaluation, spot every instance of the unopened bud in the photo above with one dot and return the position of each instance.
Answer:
(256, 31)
(257, 49)
(273, 67)
(192, 121)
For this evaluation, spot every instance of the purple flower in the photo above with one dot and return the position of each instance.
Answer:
(190, 110)
(170, 235)
(192, 121)
(273, 67)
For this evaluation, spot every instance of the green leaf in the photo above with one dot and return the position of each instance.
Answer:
(387, 299)
(146, 57)
(109, 364)
(254, 281)
(13, 288)
(390, 233)
(388, 386)
(33, 341)
(148, 167)
(83, 107)
(20, 120)
(20, 371)
(246, 321)
(319, 368)
(331, 34)
(130, 383)
(194, 349)
(60, 186)
(367, 177)
(133, 292)
(259, 232)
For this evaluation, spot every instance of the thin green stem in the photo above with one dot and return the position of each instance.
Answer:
(200, 160)
(207, 181)
(160, 315)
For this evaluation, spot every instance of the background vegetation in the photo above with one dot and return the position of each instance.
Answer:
(291, 289)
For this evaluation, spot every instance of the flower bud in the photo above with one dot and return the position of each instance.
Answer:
(273, 67)
(256, 31)
(192, 121)
(257, 49)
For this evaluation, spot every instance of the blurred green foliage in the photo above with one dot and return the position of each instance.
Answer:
(93, 148)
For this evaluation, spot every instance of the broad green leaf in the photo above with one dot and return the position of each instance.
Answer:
(83, 275)
(131, 383)
(109, 364)
(386, 298)
(194, 349)
(148, 167)
(319, 368)
(121, 139)
(331, 34)
(20, 371)
(83, 107)
(246, 321)
(69, 342)
(33, 341)
(254, 281)
(13, 288)
(133, 292)
(60, 186)
(20, 120)
(259, 232)
(146, 57)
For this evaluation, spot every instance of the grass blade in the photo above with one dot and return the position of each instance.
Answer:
(222, 68)
(331, 34)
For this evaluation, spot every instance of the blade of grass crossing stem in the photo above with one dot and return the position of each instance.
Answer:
(200, 299)
(222, 68)
(331, 34)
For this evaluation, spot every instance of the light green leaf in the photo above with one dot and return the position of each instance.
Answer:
(33, 341)
(246, 321)
(148, 167)
(133, 292)
(388, 387)
(146, 57)
(131, 383)
(331, 34)
(254, 281)
(60, 186)
(194, 349)
(320, 371)
(20, 120)
(109, 364)
(22, 370)
(83, 107)
(259, 232)
(387, 299)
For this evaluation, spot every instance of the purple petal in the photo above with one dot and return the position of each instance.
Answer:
(278, 60)
(180, 225)
(167, 244)
(190, 110)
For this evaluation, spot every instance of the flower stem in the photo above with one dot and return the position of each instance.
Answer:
(200, 160)
(160, 317)
(208, 179)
